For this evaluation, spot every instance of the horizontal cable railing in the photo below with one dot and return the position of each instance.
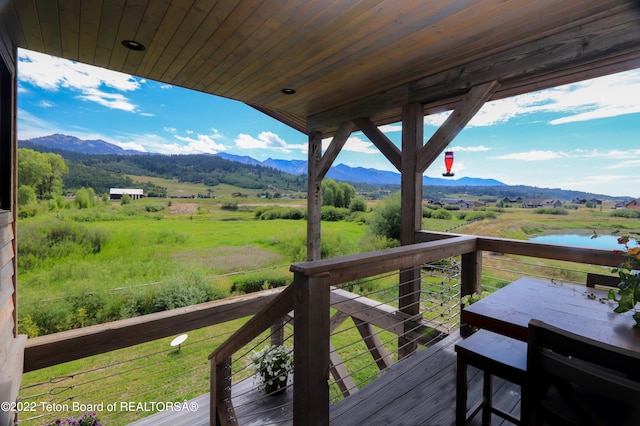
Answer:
(373, 320)
(118, 386)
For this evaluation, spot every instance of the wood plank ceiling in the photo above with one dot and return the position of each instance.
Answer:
(346, 59)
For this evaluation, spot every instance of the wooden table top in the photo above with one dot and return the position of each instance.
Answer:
(509, 310)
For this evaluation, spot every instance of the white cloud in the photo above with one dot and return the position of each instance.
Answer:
(480, 148)
(45, 104)
(355, 144)
(267, 140)
(390, 128)
(533, 155)
(52, 74)
(131, 146)
(601, 97)
(202, 144)
(30, 126)
(110, 100)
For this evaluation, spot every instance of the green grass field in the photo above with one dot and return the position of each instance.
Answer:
(196, 237)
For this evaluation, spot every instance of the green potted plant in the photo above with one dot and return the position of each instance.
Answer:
(628, 293)
(272, 365)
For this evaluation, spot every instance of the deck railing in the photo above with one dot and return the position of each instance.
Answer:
(314, 291)
(325, 296)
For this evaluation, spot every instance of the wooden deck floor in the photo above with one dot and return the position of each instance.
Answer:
(417, 391)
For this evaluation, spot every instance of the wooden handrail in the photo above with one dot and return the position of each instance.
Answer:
(350, 268)
(53, 349)
(261, 321)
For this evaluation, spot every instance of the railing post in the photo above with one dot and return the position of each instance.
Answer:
(221, 412)
(311, 351)
(471, 274)
(277, 333)
(470, 282)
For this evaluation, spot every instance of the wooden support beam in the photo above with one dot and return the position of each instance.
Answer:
(338, 141)
(461, 115)
(377, 350)
(385, 316)
(314, 196)
(340, 373)
(311, 351)
(410, 214)
(381, 141)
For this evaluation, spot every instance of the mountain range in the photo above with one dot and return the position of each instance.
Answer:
(339, 172)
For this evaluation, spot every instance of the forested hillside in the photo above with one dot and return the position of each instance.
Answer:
(107, 171)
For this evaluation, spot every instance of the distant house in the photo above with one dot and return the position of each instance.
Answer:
(633, 204)
(117, 193)
(462, 204)
(534, 203)
(508, 200)
(578, 200)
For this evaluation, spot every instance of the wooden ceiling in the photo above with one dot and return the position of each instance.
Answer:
(346, 59)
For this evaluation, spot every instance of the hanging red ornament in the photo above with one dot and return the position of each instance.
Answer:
(448, 162)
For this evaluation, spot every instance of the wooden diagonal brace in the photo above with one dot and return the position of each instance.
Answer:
(461, 115)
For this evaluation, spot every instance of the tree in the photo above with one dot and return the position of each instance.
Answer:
(385, 220)
(337, 194)
(41, 171)
(26, 195)
(85, 198)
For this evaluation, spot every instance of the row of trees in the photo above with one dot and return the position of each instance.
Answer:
(40, 175)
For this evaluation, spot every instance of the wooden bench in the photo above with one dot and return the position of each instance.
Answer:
(495, 355)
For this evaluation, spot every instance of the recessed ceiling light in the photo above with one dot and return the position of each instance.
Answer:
(288, 91)
(133, 45)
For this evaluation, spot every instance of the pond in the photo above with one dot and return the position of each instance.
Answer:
(606, 242)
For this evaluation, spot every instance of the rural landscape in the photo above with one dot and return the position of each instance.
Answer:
(207, 229)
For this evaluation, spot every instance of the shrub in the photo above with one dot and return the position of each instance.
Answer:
(385, 220)
(29, 210)
(277, 212)
(229, 205)
(26, 195)
(333, 214)
(626, 213)
(441, 214)
(55, 240)
(251, 283)
(556, 211)
(358, 204)
(153, 207)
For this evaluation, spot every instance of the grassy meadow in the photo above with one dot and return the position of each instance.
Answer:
(155, 254)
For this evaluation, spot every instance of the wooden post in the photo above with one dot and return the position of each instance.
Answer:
(314, 196)
(471, 275)
(411, 214)
(277, 333)
(470, 282)
(311, 351)
(221, 412)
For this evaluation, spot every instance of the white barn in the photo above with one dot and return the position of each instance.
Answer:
(117, 193)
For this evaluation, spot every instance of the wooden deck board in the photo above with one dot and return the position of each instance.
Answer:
(417, 391)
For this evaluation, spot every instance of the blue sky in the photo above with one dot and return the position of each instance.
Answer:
(584, 136)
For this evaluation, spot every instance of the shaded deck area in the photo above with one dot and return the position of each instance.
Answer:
(417, 391)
